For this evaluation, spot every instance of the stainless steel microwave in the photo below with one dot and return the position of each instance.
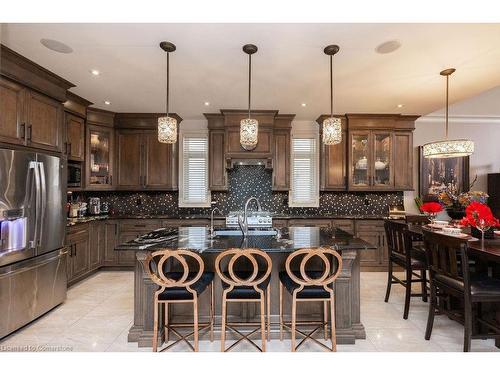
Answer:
(74, 175)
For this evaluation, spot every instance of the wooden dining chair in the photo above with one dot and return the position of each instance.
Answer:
(450, 274)
(250, 284)
(400, 245)
(310, 286)
(179, 287)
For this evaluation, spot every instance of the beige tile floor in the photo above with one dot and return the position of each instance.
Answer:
(98, 313)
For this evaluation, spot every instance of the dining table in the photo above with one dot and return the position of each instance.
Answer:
(487, 252)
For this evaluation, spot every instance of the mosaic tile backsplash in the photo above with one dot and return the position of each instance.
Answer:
(244, 182)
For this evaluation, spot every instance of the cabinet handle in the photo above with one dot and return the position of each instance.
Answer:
(111, 179)
(30, 128)
(22, 128)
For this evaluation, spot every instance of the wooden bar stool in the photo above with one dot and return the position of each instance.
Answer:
(179, 287)
(308, 286)
(245, 286)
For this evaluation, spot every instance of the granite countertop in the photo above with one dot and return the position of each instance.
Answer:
(71, 221)
(287, 240)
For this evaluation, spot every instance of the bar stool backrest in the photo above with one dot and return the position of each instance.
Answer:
(417, 219)
(447, 256)
(154, 265)
(304, 278)
(398, 238)
(257, 274)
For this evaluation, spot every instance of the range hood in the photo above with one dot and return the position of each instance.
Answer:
(232, 162)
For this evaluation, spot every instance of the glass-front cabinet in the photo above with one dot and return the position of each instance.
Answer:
(99, 174)
(370, 160)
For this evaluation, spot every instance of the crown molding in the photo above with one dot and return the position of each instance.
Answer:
(462, 119)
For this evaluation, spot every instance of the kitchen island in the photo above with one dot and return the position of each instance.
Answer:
(278, 245)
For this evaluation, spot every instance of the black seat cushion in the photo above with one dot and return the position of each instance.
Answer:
(181, 293)
(312, 291)
(416, 264)
(481, 287)
(245, 292)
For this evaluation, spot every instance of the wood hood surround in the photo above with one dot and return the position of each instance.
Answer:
(273, 147)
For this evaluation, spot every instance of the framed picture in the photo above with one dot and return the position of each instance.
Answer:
(438, 173)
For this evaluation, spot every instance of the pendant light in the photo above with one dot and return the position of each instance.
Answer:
(448, 148)
(249, 127)
(332, 126)
(167, 126)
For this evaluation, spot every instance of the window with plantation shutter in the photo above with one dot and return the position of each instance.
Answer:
(304, 191)
(193, 174)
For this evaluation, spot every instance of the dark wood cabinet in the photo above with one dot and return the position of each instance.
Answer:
(110, 242)
(372, 231)
(79, 252)
(12, 112)
(97, 244)
(129, 230)
(264, 143)
(99, 157)
(43, 122)
(216, 159)
(403, 160)
(281, 160)
(75, 137)
(144, 163)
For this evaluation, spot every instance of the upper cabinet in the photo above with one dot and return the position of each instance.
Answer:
(142, 162)
(272, 150)
(333, 173)
(99, 150)
(31, 106)
(380, 152)
(75, 113)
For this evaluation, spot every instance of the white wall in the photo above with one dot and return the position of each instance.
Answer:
(485, 132)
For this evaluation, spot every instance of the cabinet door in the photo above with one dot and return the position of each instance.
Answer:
(370, 257)
(359, 160)
(97, 244)
(75, 137)
(281, 160)
(344, 224)
(99, 161)
(403, 161)
(69, 262)
(382, 165)
(129, 150)
(44, 122)
(333, 166)
(81, 255)
(160, 163)
(217, 163)
(110, 232)
(12, 109)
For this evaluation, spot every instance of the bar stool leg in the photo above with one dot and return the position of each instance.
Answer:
(268, 295)
(281, 311)
(166, 306)
(294, 310)
(325, 320)
(212, 304)
(223, 325)
(155, 326)
(332, 318)
(263, 322)
(195, 318)
(389, 282)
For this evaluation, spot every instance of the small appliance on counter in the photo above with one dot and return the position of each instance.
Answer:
(104, 207)
(396, 212)
(94, 206)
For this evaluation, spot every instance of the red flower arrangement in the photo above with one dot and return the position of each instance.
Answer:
(431, 208)
(479, 214)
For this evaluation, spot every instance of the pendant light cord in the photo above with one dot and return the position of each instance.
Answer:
(447, 104)
(168, 81)
(249, 82)
(331, 85)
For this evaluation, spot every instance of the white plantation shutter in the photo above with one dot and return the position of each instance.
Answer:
(194, 172)
(305, 177)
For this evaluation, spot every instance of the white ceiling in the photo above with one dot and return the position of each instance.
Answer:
(289, 68)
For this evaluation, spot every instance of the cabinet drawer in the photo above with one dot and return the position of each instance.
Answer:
(345, 225)
(140, 225)
(364, 225)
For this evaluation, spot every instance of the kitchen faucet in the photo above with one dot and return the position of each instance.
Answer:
(244, 222)
(212, 220)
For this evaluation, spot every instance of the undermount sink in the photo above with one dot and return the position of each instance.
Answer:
(251, 232)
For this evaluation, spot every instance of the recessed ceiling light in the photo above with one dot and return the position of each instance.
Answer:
(55, 45)
(401, 105)
(303, 104)
(388, 47)
(107, 102)
(95, 72)
(207, 103)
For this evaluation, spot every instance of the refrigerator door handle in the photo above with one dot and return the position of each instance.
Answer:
(33, 165)
(43, 200)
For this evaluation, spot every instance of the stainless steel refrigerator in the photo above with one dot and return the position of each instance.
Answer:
(32, 229)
